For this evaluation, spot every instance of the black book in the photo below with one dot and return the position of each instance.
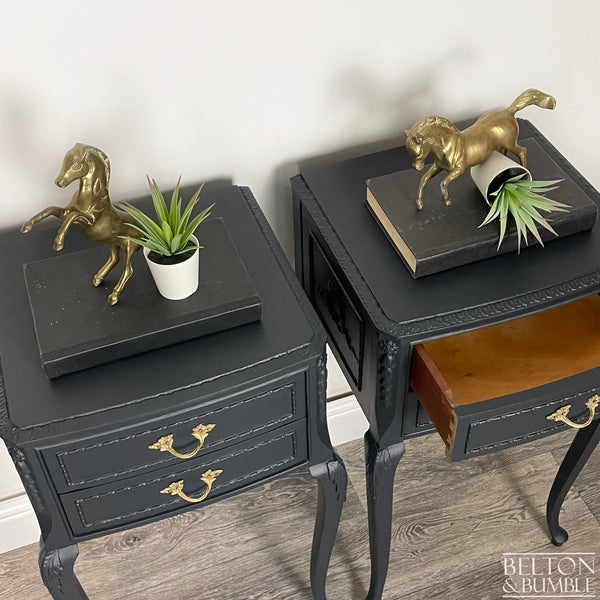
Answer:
(441, 237)
(77, 329)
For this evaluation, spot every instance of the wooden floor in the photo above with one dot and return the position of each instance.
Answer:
(452, 523)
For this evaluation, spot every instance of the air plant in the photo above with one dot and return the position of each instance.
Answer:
(523, 199)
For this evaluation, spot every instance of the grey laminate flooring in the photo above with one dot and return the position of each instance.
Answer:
(452, 523)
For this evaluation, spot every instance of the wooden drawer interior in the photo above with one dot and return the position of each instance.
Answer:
(501, 360)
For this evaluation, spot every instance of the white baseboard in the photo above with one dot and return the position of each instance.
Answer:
(346, 420)
(19, 527)
(18, 524)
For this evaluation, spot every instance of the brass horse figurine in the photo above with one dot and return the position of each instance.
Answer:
(456, 150)
(91, 209)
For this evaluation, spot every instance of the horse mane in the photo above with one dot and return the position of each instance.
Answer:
(96, 153)
(438, 122)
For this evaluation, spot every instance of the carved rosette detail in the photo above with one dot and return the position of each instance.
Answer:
(388, 351)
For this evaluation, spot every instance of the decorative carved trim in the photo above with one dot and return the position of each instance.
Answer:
(386, 364)
(322, 387)
(56, 568)
(548, 296)
(380, 465)
(52, 570)
(336, 472)
(27, 478)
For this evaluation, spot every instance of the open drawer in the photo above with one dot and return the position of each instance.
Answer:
(496, 386)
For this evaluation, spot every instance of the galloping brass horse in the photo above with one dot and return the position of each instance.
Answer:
(456, 150)
(90, 208)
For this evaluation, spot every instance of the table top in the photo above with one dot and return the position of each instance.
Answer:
(288, 333)
(486, 291)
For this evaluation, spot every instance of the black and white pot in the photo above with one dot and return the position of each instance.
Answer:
(176, 281)
(491, 174)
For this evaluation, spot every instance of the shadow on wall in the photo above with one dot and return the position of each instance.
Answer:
(376, 113)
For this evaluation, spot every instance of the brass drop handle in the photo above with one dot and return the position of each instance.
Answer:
(165, 443)
(563, 411)
(176, 488)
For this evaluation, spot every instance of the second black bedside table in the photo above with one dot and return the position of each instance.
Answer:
(379, 320)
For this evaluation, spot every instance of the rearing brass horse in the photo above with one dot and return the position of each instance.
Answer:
(456, 150)
(90, 208)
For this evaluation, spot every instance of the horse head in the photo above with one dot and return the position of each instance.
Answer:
(423, 135)
(83, 160)
(418, 148)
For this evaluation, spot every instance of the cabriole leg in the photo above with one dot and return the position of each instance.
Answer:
(381, 466)
(577, 455)
(332, 479)
(56, 567)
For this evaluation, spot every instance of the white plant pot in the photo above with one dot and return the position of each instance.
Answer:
(493, 172)
(178, 281)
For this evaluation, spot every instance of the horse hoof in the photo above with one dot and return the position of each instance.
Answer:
(448, 202)
(113, 299)
(419, 204)
(58, 246)
(97, 280)
(27, 227)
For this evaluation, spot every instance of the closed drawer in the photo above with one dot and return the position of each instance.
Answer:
(496, 387)
(135, 499)
(224, 422)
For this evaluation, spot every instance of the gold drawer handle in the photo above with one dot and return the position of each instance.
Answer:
(176, 488)
(165, 443)
(563, 411)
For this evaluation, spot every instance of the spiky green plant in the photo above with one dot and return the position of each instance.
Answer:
(523, 199)
(170, 233)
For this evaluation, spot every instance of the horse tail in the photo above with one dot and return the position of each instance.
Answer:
(532, 96)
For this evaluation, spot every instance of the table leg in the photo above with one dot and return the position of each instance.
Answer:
(56, 567)
(577, 455)
(332, 479)
(381, 466)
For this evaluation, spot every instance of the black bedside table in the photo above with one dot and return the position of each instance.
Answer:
(376, 315)
(254, 396)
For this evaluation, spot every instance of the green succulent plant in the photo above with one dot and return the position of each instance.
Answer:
(523, 199)
(170, 233)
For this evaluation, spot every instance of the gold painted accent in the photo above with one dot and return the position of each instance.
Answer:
(176, 488)
(90, 208)
(563, 411)
(455, 151)
(165, 443)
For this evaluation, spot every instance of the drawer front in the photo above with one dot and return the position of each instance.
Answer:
(227, 421)
(490, 425)
(141, 498)
(483, 433)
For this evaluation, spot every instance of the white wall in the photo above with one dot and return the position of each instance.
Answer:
(244, 89)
